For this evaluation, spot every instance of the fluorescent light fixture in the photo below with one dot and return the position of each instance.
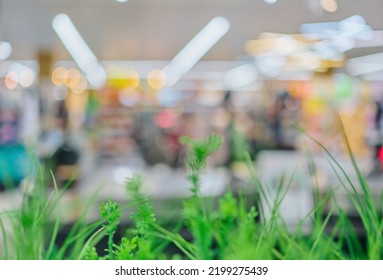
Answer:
(196, 49)
(375, 77)
(354, 26)
(79, 50)
(240, 76)
(325, 50)
(270, 1)
(122, 1)
(5, 50)
(375, 41)
(270, 65)
(296, 76)
(365, 64)
(286, 45)
(342, 43)
(319, 29)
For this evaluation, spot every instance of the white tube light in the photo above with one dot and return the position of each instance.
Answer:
(354, 26)
(364, 65)
(240, 76)
(196, 49)
(79, 50)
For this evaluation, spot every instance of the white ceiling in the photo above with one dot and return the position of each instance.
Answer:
(158, 29)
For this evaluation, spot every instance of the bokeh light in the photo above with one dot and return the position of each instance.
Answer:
(165, 119)
(11, 80)
(122, 79)
(168, 97)
(72, 77)
(5, 50)
(59, 76)
(79, 85)
(270, 1)
(330, 6)
(156, 79)
(27, 78)
(129, 98)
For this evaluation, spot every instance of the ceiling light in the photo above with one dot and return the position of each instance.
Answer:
(156, 79)
(270, 1)
(354, 26)
(27, 78)
(330, 6)
(59, 76)
(240, 76)
(5, 50)
(365, 64)
(79, 50)
(196, 49)
(376, 39)
(270, 65)
(286, 45)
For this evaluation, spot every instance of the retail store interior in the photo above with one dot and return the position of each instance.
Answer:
(95, 91)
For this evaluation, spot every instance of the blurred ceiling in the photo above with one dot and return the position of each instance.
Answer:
(158, 29)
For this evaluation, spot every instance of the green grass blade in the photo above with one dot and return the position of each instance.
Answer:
(5, 239)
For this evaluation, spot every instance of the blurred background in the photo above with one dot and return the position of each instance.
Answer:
(98, 90)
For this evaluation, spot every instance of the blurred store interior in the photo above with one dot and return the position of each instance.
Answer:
(99, 90)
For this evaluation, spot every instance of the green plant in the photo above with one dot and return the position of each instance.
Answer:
(230, 227)
(30, 231)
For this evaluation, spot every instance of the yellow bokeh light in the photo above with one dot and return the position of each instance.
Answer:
(124, 80)
(59, 76)
(156, 79)
(330, 6)
(73, 76)
(79, 86)
(133, 80)
(76, 103)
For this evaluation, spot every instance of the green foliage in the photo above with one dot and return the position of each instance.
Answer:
(110, 212)
(230, 227)
(199, 150)
(91, 254)
(144, 217)
(30, 231)
(127, 249)
(195, 215)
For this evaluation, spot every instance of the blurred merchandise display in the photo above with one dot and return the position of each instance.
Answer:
(106, 97)
(15, 162)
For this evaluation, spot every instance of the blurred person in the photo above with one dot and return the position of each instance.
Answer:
(149, 138)
(283, 111)
(55, 137)
(60, 151)
(172, 139)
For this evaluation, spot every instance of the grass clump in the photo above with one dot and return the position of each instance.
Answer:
(233, 226)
